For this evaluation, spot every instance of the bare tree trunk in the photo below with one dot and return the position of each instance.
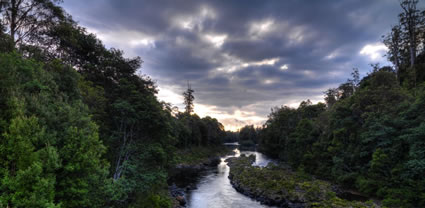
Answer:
(396, 63)
(412, 49)
(125, 152)
(13, 16)
(411, 23)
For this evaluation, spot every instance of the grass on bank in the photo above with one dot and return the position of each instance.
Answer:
(276, 181)
(196, 155)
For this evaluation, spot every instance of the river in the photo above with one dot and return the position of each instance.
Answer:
(215, 191)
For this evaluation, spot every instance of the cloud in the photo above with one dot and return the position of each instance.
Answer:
(243, 58)
(374, 51)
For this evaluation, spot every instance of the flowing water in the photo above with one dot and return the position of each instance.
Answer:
(215, 191)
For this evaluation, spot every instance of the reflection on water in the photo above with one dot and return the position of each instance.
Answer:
(215, 191)
(260, 159)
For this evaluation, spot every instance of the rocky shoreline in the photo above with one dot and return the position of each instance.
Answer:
(264, 199)
(188, 171)
(258, 194)
(185, 176)
(280, 187)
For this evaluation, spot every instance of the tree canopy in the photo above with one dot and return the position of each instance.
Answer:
(79, 125)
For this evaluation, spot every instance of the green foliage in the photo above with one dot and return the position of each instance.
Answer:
(275, 181)
(231, 137)
(248, 136)
(79, 125)
(28, 170)
(196, 155)
(6, 43)
(281, 123)
(99, 137)
(196, 131)
(299, 151)
(52, 145)
(152, 200)
(371, 139)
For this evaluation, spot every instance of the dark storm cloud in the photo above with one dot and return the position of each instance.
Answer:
(246, 55)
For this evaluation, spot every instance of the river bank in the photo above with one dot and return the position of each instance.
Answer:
(190, 164)
(278, 185)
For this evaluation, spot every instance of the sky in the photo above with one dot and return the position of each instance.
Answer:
(243, 58)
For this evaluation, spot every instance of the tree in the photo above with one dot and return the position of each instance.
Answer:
(299, 151)
(91, 131)
(6, 44)
(51, 135)
(331, 96)
(27, 167)
(248, 136)
(27, 19)
(355, 79)
(393, 41)
(410, 20)
(214, 131)
(188, 99)
(344, 90)
(280, 124)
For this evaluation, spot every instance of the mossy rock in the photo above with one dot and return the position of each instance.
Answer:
(279, 186)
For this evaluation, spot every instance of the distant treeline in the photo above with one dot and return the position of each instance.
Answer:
(370, 133)
(79, 127)
(247, 136)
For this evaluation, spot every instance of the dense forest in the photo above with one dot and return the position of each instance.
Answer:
(370, 133)
(79, 125)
